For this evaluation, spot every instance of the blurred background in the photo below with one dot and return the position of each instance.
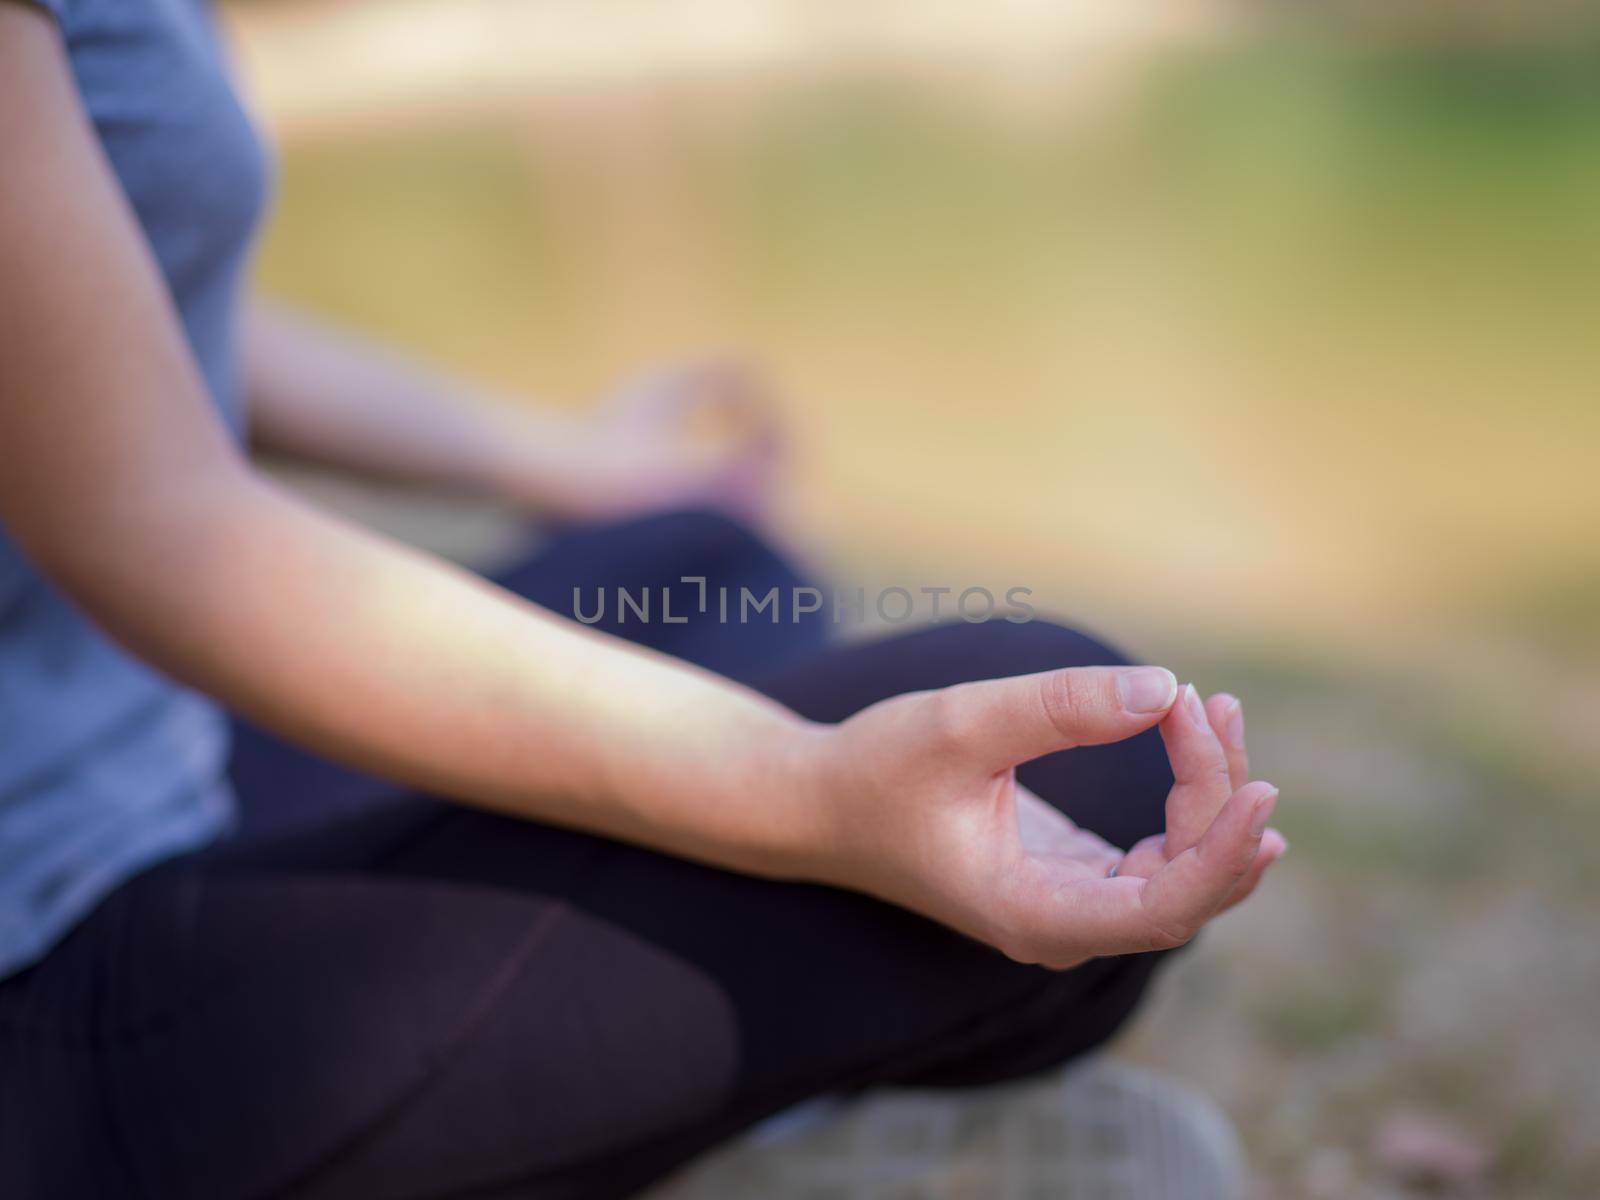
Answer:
(1258, 337)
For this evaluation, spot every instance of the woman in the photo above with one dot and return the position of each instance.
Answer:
(618, 900)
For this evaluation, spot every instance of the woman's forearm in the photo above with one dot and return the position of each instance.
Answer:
(118, 480)
(387, 659)
(697, 434)
(324, 396)
(430, 675)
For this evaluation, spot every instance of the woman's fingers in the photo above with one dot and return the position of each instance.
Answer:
(1201, 788)
(1146, 857)
(1226, 715)
(1273, 845)
(1064, 923)
(1200, 772)
(675, 392)
(731, 402)
(997, 723)
(1190, 889)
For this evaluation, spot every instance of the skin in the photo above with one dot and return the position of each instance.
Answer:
(696, 434)
(118, 480)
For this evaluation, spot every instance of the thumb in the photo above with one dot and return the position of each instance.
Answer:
(1003, 722)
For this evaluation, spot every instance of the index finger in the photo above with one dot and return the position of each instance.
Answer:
(1226, 715)
(1201, 783)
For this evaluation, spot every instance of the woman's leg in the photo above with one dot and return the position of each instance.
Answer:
(694, 557)
(825, 990)
(798, 990)
(474, 1006)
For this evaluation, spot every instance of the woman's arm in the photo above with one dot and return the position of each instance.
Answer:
(326, 396)
(119, 481)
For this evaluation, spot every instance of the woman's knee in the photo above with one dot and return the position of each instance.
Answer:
(705, 538)
(1085, 1021)
(1072, 1014)
(959, 652)
(1002, 647)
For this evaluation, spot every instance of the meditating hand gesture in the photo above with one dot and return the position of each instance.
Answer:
(935, 820)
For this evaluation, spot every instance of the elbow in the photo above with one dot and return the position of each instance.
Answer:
(119, 550)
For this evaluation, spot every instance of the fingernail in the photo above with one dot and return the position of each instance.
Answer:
(1263, 813)
(1235, 725)
(1197, 709)
(1147, 689)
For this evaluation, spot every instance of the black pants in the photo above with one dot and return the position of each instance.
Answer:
(367, 993)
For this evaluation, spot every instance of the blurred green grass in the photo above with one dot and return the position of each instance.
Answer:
(1357, 284)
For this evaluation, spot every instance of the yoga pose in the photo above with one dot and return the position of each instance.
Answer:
(329, 869)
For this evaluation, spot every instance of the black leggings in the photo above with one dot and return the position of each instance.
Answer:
(369, 993)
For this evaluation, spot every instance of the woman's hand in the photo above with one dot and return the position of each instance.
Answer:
(925, 811)
(702, 435)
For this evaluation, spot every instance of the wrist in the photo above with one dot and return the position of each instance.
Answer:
(802, 837)
(534, 461)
